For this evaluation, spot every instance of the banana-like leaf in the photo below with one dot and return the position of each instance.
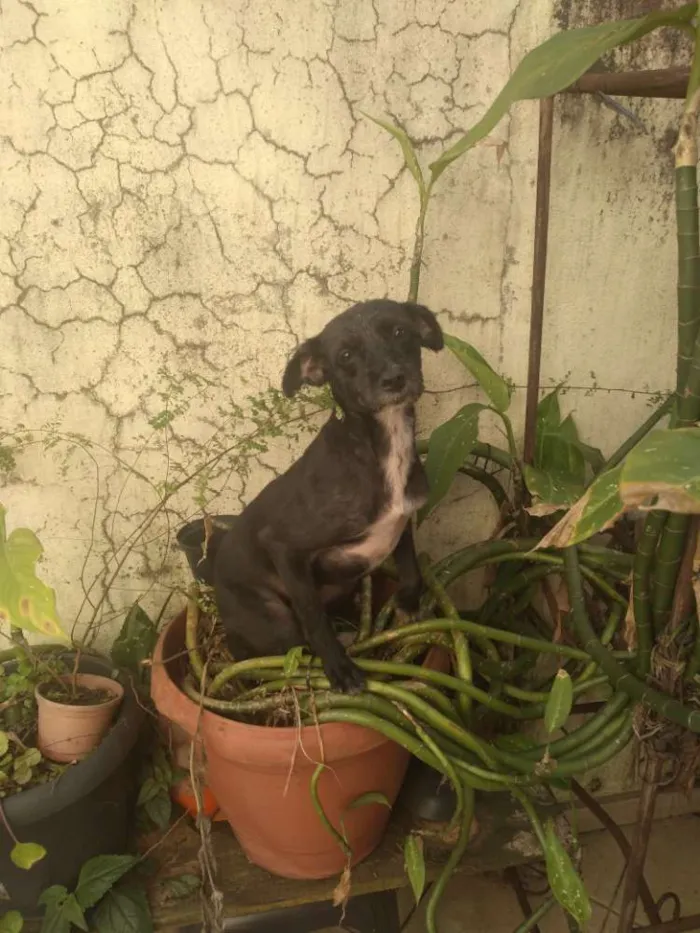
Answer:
(449, 446)
(598, 508)
(493, 385)
(555, 65)
(25, 601)
(663, 472)
(550, 492)
(409, 153)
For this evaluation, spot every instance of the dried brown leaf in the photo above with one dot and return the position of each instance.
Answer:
(341, 894)
(667, 497)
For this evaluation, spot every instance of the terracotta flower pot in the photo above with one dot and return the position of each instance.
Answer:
(261, 777)
(69, 732)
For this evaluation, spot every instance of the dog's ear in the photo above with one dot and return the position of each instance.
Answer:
(304, 368)
(429, 330)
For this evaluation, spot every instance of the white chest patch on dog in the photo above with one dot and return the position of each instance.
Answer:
(383, 534)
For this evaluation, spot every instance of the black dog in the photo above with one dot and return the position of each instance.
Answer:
(346, 504)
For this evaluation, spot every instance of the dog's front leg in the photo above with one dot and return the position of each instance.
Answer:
(410, 577)
(296, 574)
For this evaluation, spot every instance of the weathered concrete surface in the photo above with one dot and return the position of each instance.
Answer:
(194, 186)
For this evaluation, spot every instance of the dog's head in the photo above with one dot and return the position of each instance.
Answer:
(370, 355)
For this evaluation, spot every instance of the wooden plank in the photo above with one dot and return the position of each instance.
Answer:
(503, 839)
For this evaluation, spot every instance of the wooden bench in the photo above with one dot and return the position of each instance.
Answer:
(257, 902)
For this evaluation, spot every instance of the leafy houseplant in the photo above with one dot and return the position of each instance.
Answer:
(655, 469)
(55, 816)
(598, 635)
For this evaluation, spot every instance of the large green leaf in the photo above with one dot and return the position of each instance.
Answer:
(409, 153)
(62, 911)
(565, 883)
(558, 478)
(548, 416)
(559, 702)
(550, 492)
(25, 601)
(598, 508)
(449, 446)
(124, 909)
(557, 63)
(493, 385)
(99, 874)
(549, 422)
(663, 471)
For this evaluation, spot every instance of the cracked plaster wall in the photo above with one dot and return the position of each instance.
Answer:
(193, 185)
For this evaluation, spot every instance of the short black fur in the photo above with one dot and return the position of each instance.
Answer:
(290, 553)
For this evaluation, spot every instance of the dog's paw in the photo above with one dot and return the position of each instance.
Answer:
(344, 675)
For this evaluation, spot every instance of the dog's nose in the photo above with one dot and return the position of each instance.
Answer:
(394, 382)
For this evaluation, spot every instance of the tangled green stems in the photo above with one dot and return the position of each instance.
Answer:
(663, 704)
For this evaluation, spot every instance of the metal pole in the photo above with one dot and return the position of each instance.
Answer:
(539, 273)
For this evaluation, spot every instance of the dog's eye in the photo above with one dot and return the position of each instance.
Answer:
(344, 356)
(399, 332)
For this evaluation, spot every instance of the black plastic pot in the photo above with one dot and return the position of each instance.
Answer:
(190, 539)
(87, 811)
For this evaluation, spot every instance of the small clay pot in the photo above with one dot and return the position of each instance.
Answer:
(68, 732)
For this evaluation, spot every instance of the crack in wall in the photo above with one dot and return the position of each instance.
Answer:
(193, 185)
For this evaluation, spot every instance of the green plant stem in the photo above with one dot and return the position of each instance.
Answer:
(480, 451)
(191, 624)
(606, 637)
(489, 481)
(460, 644)
(603, 737)
(436, 720)
(448, 767)
(578, 738)
(471, 628)
(318, 806)
(418, 242)
(642, 588)
(541, 696)
(669, 554)
(446, 681)
(414, 745)
(539, 914)
(459, 563)
(452, 862)
(384, 615)
(662, 704)
(366, 608)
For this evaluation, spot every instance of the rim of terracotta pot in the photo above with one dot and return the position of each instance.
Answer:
(91, 681)
(165, 684)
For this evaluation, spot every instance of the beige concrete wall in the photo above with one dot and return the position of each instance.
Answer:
(192, 185)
